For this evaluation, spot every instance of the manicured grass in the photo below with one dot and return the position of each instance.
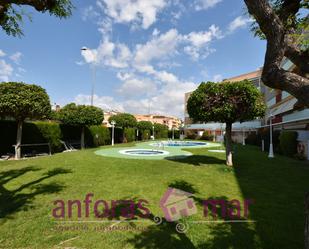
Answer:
(29, 187)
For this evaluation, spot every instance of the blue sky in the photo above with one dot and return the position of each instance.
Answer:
(146, 54)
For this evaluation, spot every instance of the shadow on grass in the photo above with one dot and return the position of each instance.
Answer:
(197, 160)
(278, 187)
(219, 235)
(20, 198)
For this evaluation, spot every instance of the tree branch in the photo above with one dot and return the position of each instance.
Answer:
(279, 45)
(41, 5)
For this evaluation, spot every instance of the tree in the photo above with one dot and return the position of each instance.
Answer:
(123, 120)
(226, 103)
(161, 130)
(81, 115)
(286, 32)
(11, 16)
(21, 101)
(144, 125)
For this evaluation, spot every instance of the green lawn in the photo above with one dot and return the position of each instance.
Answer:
(29, 187)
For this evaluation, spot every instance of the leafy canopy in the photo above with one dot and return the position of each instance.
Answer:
(144, 125)
(12, 12)
(226, 102)
(123, 120)
(160, 127)
(80, 115)
(20, 101)
(295, 20)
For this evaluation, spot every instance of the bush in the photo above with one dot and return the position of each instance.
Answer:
(288, 143)
(145, 134)
(207, 136)
(191, 135)
(264, 134)
(51, 133)
(253, 139)
(98, 135)
(129, 134)
(176, 134)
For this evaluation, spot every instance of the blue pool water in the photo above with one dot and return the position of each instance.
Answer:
(179, 144)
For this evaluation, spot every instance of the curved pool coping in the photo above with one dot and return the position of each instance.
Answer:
(163, 152)
(174, 151)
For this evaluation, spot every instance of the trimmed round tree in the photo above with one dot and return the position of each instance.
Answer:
(21, 101)
(123, 120)
(81, 115)
(227, 102)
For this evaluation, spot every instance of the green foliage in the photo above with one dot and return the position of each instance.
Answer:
(226, 102)
(293, 22)
(80, 115)
(207, 136)
(145, 134)
(123, 120)
(11, 15)
(288, 143)
(191, 135)
(176, 134)
(144, 125)
(161, 131)
(129, 134)
(51, 132)
(98, 135)
(21, 101)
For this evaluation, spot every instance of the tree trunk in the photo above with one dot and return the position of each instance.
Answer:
(18, 139)
(279, 45)
(307, 221)
(228, 141)
(82, 138)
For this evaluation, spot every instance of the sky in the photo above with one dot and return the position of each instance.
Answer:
(145, 55)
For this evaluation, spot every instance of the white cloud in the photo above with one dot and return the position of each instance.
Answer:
(6, 70)
(133, 11)
(2, 53)
(104, 102)
(199, 41)
(16, 57)
(217, 78)
(111, 54)
(135, 87)
(89, 13)
(239, 22)
(206, 4)
(157, 48)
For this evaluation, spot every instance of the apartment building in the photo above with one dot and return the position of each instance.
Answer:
(170, 121)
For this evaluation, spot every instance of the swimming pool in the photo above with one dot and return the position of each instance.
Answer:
(143, 152)
(178, 144)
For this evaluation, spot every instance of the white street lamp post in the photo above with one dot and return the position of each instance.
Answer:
(173, 133)
(153, 135)
(113, 131)
(271, 148)
(243, 137)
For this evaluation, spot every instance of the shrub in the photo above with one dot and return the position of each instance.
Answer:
(129, 134)
(176, 134)
(98, 135)
(191, 135)
(51, 133)
(288, 143)
(207, 136)
(253, 139)
(145, 134)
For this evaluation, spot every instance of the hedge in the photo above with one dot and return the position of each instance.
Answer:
(49, 132)
(129, 134)
(145, 134)
(288, 143)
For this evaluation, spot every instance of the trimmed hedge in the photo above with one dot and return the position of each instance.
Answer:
(176, 134)
(145, 134)
(288, 143)
(49, 132)
(207, 136)
(129, 134)
(97, 135)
